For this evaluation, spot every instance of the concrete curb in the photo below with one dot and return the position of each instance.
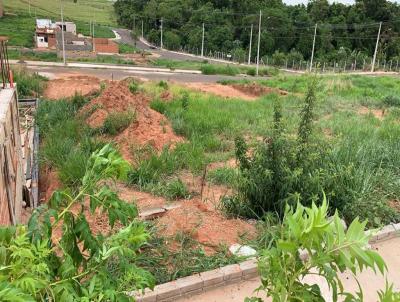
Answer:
(230, 274)
(107, 66)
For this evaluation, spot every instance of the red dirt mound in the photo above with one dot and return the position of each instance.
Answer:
(257, 90)
(150, 127)
(209, 228)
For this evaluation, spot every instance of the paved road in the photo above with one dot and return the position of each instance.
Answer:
(108, 74)
(126, 38)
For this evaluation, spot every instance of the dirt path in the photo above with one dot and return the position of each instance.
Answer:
(370, 282)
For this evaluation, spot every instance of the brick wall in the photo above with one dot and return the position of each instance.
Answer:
(105, 46)
(52, 42)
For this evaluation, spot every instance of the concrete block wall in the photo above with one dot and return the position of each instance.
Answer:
(11, 162)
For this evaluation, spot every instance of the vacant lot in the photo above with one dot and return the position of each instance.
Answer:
(180, 143)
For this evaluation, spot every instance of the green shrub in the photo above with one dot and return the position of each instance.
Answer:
(211, 69)
(133, 87)
(391, 101)
(116, 122)
(251, 72)
(163, 84)
(308, 241)
(78, 101)
(174, 189)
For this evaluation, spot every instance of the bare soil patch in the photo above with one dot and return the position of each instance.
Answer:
(225, 91)
(378, 113)
(257, 90)
(248, 92)
(48, 183)
(395, 204)
(69, 85)
(208, 227)
(149, 128)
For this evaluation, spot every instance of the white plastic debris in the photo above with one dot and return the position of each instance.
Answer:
(242, 250)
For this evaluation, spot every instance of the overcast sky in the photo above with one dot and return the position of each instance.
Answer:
(341, 1)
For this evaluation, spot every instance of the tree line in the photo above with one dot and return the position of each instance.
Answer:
(344, 32)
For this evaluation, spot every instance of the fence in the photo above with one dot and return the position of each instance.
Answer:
(11, 162)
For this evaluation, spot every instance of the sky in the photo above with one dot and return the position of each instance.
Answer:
(341, 1)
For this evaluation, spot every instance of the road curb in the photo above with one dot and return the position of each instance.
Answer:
(229, 274)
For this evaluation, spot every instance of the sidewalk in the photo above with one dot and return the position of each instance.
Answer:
(370, 282)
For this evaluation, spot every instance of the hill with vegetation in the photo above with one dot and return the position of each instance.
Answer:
(19, 21)
(345, 32)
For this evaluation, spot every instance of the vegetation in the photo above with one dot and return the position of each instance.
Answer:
(116, 122)
(312, 243)
(126, 48)
(81, 10)
(345, 32)
(76, 266)
(29, 84)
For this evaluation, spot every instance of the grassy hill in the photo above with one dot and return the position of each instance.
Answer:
(84, 10)
(19, 23)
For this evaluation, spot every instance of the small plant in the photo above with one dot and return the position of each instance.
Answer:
(310, 242)
(163, 84)
(175, 189)
(133, 87)
(185, 100)
(158, 106)
(78, 101)
(102, 86)
(118, 121)
(77, 266)
(223, 176)
(391, 101)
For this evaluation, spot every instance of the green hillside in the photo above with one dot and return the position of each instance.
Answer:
(19, 22)
(84, 10)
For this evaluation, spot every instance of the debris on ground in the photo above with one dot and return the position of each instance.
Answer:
(70, 85)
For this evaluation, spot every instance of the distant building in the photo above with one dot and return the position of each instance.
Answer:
(45, 33)
(69, 27)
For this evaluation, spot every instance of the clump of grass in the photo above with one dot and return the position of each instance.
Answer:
(211, 69)
(223, 176)
(163, 84)
(158, 105)
(189, 258)
(118, 121)
(133, 87)
(172, 189)
(391, 101)
(28, 84)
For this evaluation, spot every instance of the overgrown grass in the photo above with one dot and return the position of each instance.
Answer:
(67, 142)
(116, 122)
(223, 176)
(228, 69)
(30, 55)
(189, 258)
(126, 48)
(28, 84)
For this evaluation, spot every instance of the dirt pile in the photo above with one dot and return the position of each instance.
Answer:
(257, 90)
(68, 86)
(208, 227)
(148, 128)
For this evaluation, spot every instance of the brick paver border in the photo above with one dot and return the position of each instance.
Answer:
(234, 273)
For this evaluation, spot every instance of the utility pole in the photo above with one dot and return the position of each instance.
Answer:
(202, 43)
(93, 39)
(161, 27)
(251, 41)
(376, 47)
(259, 41)
(62, 33)
(142, 30)
(313, 47)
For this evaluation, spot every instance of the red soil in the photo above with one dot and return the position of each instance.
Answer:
(68, 86)
(48, 183)
(210, 228)
(257, 90)
(378, 113)
(150, 127)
